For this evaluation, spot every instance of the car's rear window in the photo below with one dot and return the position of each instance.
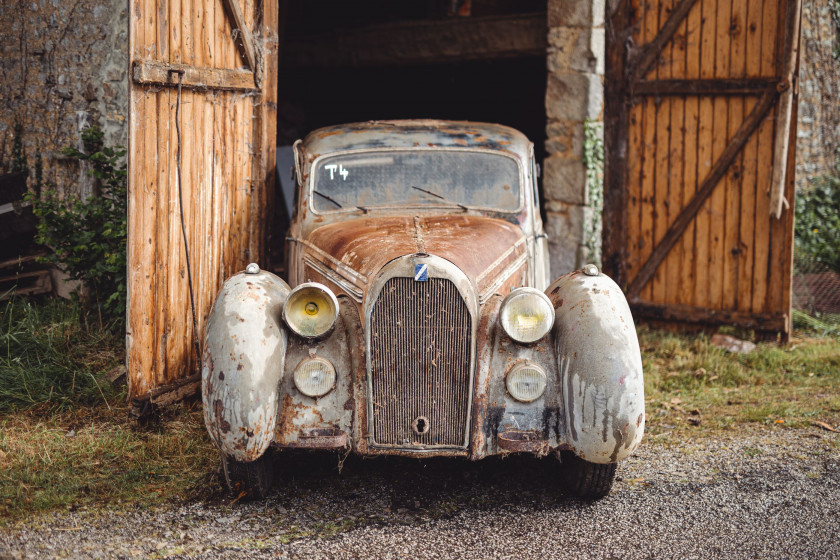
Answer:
(388, 178)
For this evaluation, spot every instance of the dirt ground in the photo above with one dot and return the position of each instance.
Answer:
(770, 492)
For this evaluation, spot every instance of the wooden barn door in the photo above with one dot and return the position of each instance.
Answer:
(224, 52)
(700, 138)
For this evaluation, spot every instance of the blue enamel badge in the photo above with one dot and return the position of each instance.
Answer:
(421, 272)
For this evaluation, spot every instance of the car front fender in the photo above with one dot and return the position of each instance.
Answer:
(600, 366)
(242, 364)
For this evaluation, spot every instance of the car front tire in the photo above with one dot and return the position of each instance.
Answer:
(255, 477)
(585, 480)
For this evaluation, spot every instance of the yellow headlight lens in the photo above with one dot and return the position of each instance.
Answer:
(526, 315)
(315, 376)
(526, 382)
(311, 310)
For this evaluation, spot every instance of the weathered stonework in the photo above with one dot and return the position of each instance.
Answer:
(63, 66)
(818, 129)
(575, 94)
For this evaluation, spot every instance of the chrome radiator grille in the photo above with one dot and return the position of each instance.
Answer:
(420, 349)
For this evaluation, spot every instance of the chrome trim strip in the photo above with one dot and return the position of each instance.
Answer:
(488, 292)
(344, 283)
(500, 260)
(341, 268)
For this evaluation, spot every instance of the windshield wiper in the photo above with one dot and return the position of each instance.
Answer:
(331, 199)
(436, 195)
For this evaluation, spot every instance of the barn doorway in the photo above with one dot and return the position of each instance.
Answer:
(341, 62)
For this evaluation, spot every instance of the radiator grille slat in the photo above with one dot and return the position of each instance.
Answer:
(420, 344)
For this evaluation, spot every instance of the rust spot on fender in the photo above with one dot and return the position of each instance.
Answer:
(218, 410)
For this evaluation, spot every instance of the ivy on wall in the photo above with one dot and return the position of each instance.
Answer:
(593, 160)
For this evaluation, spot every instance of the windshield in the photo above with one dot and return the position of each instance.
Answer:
(457, 178)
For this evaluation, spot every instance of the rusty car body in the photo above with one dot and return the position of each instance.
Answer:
(418, 318)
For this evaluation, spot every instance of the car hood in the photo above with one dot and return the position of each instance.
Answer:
(483, 248)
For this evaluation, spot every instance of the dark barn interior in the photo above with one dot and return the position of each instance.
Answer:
(343, 62)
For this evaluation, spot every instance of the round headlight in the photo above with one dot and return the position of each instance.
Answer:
(527, 315)
(310, 310)
(526, 382)
(315, 376)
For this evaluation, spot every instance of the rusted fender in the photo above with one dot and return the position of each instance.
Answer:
(242, 364)
(600, 366)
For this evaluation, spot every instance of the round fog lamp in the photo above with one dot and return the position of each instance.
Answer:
(315, 377)
(310, 310)
(526, 382)
(526, 315)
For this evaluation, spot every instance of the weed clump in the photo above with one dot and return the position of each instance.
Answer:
(50, 356)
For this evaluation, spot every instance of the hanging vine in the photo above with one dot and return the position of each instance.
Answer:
(593, 160)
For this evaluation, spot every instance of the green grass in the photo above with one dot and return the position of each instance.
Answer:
(50, 357)
(93, 456)
(691, 384)
(66, 440)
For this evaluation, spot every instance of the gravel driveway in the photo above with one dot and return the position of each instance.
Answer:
(769, 493)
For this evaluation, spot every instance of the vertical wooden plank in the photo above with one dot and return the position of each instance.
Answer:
(615, 143)
(674, 269)
(141, 219)
(153, 188)
(163, 166)
(661, 181)
(781, 229)
(769, 26)
(746, 273)
(688, 261)
(704, 153)
(635, 154)
(647, 206)
(719, 141)
(266, 136)
(734, 176)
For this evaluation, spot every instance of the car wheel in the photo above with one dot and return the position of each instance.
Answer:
(582, 479)
(255, 477)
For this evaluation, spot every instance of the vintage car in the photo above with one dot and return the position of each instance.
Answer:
(418, 319)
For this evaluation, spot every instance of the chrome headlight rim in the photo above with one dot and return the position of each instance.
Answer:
(295, 295)
(300, 381)
(518, 369)
(526, 292)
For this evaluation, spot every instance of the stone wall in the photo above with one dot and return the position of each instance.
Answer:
(818, 132)
(63, 66)
(575, 94)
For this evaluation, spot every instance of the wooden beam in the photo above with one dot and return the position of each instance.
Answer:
(704, 316)
(168, 394)
(641, 64)
(421, 42)
(618, 32)
(790, 55)
(723, 86)
(241, 33)
(152, 72)
(703, 192)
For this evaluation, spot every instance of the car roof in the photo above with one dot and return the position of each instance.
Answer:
(425, 133)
